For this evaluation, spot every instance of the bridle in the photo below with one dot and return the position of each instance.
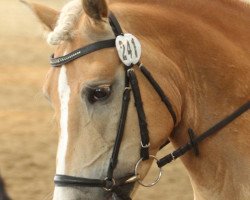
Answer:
(111, 184)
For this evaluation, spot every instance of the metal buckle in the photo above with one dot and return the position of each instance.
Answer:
(130, 70)
(145, 146)
(127, 88)
(108, 189)
(173, 157)
(155, 181)
(140, 65)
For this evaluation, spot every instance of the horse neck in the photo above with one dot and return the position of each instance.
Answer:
(208, 64)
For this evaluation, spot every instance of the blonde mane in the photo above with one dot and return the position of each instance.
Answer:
(69, 16)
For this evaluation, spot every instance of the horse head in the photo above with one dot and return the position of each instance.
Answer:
(87, 95)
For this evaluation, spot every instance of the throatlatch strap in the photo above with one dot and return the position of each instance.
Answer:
(160, 92)
(57, 62)
(141, 115)
(182, 150)
(120, 133)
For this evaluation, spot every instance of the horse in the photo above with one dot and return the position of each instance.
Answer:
(198, 53)
(3, 193)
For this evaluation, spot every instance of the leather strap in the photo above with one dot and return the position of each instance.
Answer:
(66, 181)
(141, 115)
(114, 158)
(72, 181)
(187, 147)
(59, 61)
(159, 91)
(115, 25)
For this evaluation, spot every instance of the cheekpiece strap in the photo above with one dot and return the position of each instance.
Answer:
(115, 25)
(145, 144)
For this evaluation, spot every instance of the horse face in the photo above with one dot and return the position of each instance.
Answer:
(87, 97)
(88, 105)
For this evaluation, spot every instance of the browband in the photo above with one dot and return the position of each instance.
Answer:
(62, 60)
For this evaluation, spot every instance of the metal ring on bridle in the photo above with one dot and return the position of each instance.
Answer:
(155, 181)
(110, 187)
(173, 157)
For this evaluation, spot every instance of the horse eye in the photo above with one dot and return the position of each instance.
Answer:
(99, 94)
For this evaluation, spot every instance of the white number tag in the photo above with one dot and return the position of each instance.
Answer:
(129, 49)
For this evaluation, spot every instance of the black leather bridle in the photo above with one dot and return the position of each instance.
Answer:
(110, 183)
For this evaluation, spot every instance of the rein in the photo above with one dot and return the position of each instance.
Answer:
(111, 184)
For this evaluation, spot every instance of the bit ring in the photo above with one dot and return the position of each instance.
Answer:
(155, 181)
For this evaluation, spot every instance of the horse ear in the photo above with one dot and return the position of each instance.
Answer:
(96, 9)
(46, 15)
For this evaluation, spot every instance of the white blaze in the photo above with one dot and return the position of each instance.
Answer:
(64, 95)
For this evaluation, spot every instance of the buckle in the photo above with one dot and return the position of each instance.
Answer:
(127, 88)
(137, 174)
(145, 146)
(130, 70)
(139, 65)
(109, 184)
(173, 157)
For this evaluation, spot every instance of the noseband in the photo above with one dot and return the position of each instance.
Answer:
(111, 184)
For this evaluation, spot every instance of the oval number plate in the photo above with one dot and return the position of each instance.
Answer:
(129, 49)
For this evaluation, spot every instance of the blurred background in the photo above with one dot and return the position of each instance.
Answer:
(28, 134)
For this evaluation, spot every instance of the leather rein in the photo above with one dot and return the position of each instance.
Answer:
(111, 184)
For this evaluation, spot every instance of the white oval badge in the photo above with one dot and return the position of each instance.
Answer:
(128, 48)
